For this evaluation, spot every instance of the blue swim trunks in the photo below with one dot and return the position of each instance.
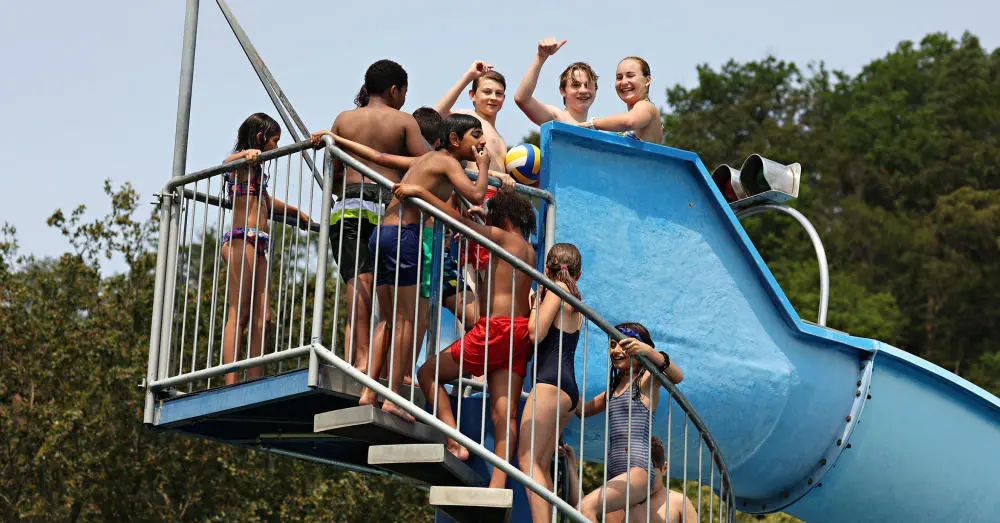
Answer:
(407, 259)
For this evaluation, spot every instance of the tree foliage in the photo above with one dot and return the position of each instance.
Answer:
(900, 178)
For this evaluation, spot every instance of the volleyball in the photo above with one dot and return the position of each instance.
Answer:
(524, 163)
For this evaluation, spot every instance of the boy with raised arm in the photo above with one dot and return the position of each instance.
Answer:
(377, 123)
(498, 345)
(577, 85)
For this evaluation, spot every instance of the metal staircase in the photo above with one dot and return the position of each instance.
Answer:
(306, 405)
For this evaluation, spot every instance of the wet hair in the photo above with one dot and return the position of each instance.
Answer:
(616, 376)
(643, 65)
(563, 261)
(429, 121)
(656, 452)
(379, 78)
(567, 75)
(490, 75)
(256, 124)
(458, 123)
(507, 205)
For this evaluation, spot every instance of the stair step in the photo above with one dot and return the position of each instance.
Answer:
(471, 504)
(430, 463)
(338, 382)
(371, 424)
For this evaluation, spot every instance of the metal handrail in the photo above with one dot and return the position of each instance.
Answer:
(543, 280)
(824, 270)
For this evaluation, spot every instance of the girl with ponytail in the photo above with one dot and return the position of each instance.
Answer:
(555, 325)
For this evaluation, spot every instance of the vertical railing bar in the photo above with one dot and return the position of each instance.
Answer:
(272, 230)
(201, 274)
(559, 355)
(461, 361)
(486, 348)
(187, 280)
(628, 436)
(348, 357)
(305, 268)
(322, 263)
(395, 299)
(583, 388)
(669, 449)
(229, 264)
(607, 436)
(711, 488)
(685, 482)
(510, 364)
(215, 281)
(373, 309)
(284, 269)
(256, 257)
(182, 224)
(293, 267)
(416, 306)
(701, 451)
(649, 453)
(357, 248)
(537, 309)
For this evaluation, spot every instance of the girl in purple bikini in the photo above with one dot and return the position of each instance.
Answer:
(245, 245)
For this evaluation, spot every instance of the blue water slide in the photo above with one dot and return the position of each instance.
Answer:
(812, 421)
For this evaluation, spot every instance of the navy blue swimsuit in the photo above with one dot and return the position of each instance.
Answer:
(550, 365)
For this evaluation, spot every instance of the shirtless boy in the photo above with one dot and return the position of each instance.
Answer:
(487, 93)
(397, 243)
(577, 85)
(504, 354)
(377, 123)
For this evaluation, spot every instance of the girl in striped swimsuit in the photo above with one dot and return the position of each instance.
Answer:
(632, 393)
(245, 245)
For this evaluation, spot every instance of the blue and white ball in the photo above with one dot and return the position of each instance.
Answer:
(524, 163)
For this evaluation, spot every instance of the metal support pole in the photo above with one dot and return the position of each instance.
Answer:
(168, 227)
(824, 270)
(152, 369)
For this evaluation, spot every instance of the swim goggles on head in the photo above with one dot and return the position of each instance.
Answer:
(629, 332)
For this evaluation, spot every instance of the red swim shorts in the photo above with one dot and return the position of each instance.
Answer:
(474, 351)
(480, 257)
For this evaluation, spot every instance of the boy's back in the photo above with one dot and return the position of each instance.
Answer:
(503, 289)
(384, 129)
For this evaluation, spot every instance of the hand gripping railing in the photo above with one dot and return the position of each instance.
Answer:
(405, 354)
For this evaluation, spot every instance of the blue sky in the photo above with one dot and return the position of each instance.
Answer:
(92, 86)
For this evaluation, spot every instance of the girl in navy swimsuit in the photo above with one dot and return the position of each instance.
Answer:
(630, 397)
(555, 326)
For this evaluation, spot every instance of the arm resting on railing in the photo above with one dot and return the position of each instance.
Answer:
(660, 360)
(409, 190)
(542, 315)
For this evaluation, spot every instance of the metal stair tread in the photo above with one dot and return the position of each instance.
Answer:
(472, 504)
(430, 463)
(371, 424)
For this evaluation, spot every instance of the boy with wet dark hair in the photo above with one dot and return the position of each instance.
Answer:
(510, 220)
(429, 121)
(397, 242)
(377, 123)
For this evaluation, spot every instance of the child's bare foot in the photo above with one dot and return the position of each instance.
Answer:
(407, 380)
(387, 406)
(368, 397)
(459, 451)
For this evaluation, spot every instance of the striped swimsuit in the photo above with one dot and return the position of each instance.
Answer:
(628, 444)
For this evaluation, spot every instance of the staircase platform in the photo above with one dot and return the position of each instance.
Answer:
(429, 463)
(471, 504)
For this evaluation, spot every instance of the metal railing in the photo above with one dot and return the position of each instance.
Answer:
(192, 296)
